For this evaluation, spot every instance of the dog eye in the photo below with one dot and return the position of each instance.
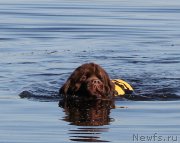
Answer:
(101, 78)
(83, 78)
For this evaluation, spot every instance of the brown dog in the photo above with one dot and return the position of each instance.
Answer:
(88, 80)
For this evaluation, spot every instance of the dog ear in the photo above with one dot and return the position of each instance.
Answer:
(109, 85)
(111, 88)
(65, 88)
(73, 83)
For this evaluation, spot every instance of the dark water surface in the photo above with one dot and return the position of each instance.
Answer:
(41, 42)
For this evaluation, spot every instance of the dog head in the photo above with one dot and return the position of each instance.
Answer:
(88, 80)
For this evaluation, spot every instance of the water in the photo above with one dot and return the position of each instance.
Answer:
(41, 42)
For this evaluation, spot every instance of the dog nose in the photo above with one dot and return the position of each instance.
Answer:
(96, 82)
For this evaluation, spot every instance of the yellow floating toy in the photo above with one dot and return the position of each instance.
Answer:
(122, 87)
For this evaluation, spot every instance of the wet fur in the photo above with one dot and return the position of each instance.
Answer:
(77, 83)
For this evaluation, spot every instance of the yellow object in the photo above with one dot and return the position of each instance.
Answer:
(122, 87)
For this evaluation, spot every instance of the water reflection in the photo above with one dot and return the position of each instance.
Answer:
(87, 134)
(90, 113)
